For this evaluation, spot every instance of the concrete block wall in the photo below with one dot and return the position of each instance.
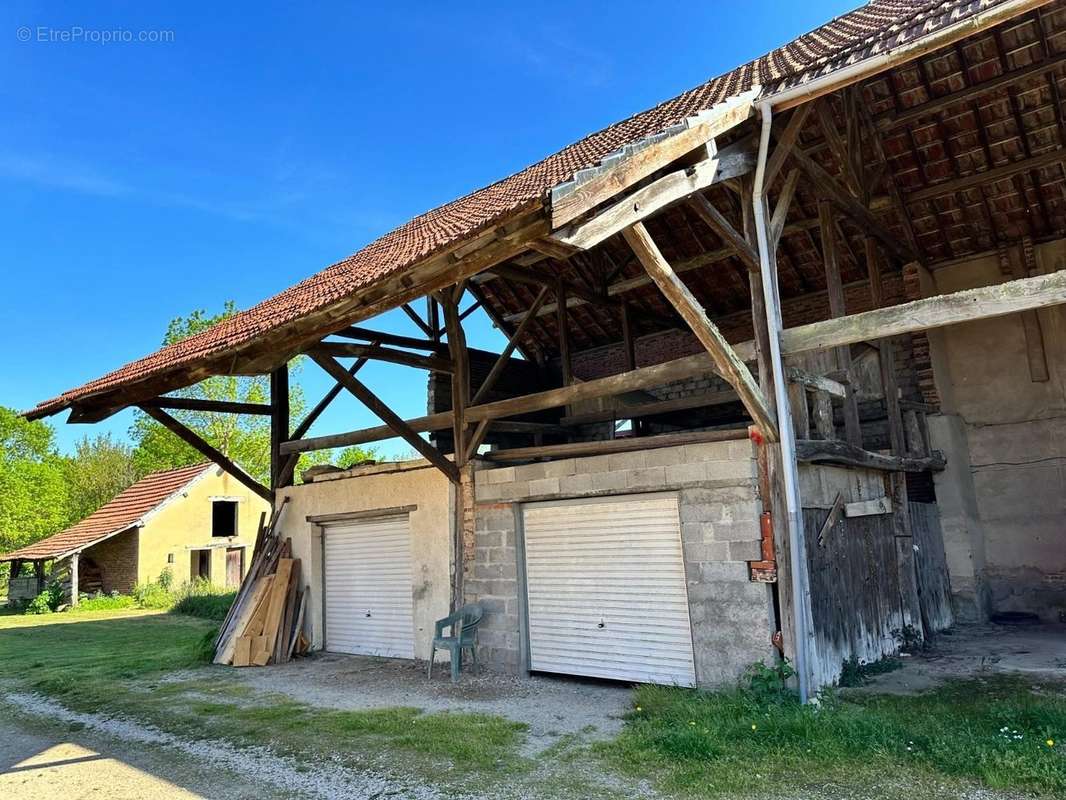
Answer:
(732, 618)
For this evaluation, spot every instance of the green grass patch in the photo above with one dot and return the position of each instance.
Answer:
(104, 602)
(118, 664)
(212, 605)
(991, 732)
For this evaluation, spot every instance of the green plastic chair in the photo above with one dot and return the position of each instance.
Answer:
(463, 635)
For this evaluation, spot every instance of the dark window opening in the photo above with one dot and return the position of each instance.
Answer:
(224, 518)
(200, 564)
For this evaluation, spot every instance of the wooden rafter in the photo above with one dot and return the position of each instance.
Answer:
(210, 452)
(417, 320)
(728, 363)
(846, 202)
(512, 343)
(734, 161)
(217, 406)
(716, 221)
(786, 142)
(378, 353)
(381, 337)
(386, 414)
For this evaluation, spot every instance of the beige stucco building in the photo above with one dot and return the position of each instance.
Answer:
(195, 522)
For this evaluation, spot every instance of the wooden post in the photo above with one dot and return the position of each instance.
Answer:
(628, 344)
(725, 358)
(561, 317)
(279, 422)
(38, 571)
(463, 520)
(74, 579)
(835, 288)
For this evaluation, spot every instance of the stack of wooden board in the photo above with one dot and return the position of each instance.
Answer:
(265, 623)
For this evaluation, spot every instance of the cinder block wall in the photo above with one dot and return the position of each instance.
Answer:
(732, 617)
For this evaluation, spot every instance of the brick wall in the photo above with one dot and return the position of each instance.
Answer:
(719, 509)
(117, 560)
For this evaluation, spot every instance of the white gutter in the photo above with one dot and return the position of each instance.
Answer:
(801, 593)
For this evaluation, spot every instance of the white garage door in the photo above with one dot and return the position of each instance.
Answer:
(368, 587)
(606, 590)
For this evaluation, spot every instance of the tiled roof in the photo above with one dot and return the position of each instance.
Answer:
(873, 28)
(113, 517)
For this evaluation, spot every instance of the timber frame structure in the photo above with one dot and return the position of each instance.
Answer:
(774, 241)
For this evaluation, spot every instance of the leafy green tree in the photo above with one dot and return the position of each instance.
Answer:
(243, 438)
(99, 470)
(34, 499)
(353, 455)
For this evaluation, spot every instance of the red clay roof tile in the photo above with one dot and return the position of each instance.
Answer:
(113, 517)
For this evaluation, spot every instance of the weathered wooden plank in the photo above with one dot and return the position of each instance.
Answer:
(637, 410)
(728, 364)
(786, 142)
(383, 337)
(573, 449)
(815, 382)
(817, 451)
(867, 508)
(608, 183)
(984, 302)
(734, 161)
(836, 511)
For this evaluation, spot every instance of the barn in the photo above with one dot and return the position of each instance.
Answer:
(784, 373)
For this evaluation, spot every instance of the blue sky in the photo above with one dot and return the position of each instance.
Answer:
(140, 181)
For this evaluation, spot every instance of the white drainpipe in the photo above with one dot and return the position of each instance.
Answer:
(801, 593)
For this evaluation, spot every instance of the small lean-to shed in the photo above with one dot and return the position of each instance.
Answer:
(194, 522)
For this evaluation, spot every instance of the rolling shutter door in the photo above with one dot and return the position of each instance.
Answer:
(606, 590)
(369, 606)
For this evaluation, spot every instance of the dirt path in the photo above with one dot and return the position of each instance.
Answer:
(105, 757)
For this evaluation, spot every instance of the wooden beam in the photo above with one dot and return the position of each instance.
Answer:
(984, 302)
(570, 202)
(417, 320)
(641, 378)
(288, 469)
(836, 511)
(837, 308)
(379, 353)
(470, 309)
(653, 408)
(279, 421)
(574, 449)
(504, 357)
(836, 144)
(734, 161)
(815, 382)
(727, 362)
(785, 143)
(386, 415)
(832, 190)
(219, 406)
(784, 202)
(460, 377)
(989, 176)
(895, 119)
(817, 451)
(563, 330)
(381, 337)
(716, 221)
(193, 439)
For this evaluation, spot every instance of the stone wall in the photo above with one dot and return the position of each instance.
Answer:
(732, 617)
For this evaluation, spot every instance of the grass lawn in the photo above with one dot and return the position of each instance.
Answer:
(688, 744)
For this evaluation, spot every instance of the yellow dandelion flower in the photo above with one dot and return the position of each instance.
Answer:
(753, 727)
(1050, 742)
(639, 708)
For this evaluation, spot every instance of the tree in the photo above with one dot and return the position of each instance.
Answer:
(243, 438)
(33, 489)
(353, 455)
(99, 470)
